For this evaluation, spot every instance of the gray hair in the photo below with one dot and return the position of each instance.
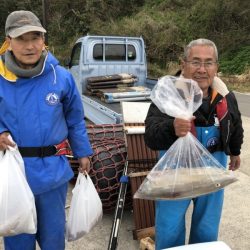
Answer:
(202, 42)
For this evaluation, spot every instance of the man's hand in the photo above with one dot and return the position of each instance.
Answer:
(182, 126)
(5, 141)
(84, 164)
(234, 163)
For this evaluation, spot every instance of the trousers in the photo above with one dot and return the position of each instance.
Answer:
(170, 228)
(50, 208)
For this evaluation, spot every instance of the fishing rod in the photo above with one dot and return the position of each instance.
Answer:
(113, 240)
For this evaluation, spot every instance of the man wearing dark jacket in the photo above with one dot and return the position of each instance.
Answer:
(218, 127)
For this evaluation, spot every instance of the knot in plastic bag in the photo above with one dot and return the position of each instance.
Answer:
(177, 96)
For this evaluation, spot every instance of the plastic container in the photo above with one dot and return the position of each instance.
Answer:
(215, 245)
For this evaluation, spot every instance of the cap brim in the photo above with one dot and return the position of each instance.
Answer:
(25, 29)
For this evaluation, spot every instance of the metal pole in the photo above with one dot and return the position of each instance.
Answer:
(45, 19)
(113, 240)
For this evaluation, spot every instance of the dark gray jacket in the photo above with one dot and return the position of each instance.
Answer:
(160, 133)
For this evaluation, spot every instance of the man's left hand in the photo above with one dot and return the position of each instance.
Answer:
(234, 163)
(84, 164)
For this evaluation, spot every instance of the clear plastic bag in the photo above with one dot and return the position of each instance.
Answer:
(187, 169)
(17, 205)
(85, 209)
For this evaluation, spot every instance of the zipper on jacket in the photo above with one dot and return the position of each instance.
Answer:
(228, 130)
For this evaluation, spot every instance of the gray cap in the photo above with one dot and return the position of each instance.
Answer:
(22, 21)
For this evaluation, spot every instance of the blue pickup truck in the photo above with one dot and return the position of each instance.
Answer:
(94, 56)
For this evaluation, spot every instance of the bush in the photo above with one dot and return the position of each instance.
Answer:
(236, 61)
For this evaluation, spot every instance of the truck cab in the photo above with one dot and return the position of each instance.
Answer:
(106, 55)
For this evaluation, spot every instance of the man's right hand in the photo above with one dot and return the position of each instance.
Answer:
(5, 141)
(182, 126)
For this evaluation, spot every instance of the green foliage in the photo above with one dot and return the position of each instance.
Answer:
(223, 21)
(236, 61)
(165, 25)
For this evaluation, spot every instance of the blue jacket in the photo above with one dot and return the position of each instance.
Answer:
(40, 111)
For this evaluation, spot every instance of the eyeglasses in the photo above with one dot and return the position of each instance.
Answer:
(198, 64)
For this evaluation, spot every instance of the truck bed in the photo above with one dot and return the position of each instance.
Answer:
(116, 107)
(100, 112)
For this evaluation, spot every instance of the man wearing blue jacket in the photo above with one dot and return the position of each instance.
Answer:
(42, 110)
(218, 127)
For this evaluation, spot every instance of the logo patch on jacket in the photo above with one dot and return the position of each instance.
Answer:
(52, 99)
(212, 142)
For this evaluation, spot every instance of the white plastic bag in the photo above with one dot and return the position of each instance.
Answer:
(85, 209)
(187, 169)
(17, 206)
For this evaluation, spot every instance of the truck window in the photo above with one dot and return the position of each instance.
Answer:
(131, 53)
(114, 52)
(75, 56)
(98, 52)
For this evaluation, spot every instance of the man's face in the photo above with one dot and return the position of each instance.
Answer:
(201, 66)
(27, 48)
